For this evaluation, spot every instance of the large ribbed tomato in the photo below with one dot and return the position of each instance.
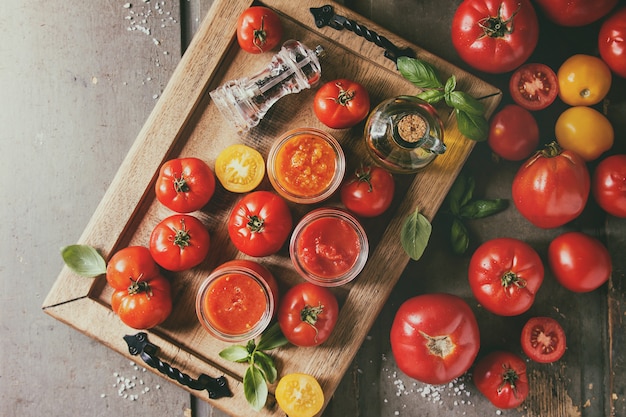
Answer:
(552, 187)
(435, 337)
(495, 36)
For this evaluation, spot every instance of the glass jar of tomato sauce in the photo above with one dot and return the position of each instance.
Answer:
(329, 247)
(306, 165)
(237, 301)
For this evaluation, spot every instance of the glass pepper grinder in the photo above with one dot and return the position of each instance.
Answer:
(244, 101)
(404, 134)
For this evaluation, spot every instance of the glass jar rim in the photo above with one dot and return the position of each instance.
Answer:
(333, 185)
(261, 324)
(359, 263)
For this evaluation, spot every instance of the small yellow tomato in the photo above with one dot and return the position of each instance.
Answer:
(585, 131)
(239, 168)
(584, 80)
(299, 395)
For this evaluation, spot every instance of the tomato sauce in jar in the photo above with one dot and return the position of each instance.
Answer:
(237, 301)
(329, 247)
(306, 165)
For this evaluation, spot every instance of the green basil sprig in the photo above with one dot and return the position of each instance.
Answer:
(415, 234)
(261, 369)
(463, 206)
(470, 113)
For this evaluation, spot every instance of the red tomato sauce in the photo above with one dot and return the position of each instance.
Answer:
(328, 247)
(305, 165)
(234, 303)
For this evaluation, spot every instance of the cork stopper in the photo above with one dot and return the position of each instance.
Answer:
(412, 128)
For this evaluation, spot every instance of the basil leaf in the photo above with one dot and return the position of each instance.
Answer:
(459, 237)
(420, 73)
(465, 102)
(84, 260)
(450, 86)
(474, 127)
(272, 338)
(482, 208)
(255, 388)
(235, 353)
(431, 96)
(470, 186)
(456, 194)
(266, 365)
(415, 234)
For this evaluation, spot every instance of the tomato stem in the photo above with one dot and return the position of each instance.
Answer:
(138, 286)
(260, 35)
(497, 26)
(511, 278)
(509, 376)
(440, 346)
(180, 184)
(255, 224)
(181, 238)
(344, 96)
(364, 174)
(310, 316)
(551, 150)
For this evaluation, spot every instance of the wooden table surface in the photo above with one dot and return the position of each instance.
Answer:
(79, 79)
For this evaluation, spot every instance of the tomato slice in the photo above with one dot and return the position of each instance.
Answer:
(534, 86)
(543, 339)
(299, 395)
(239, 168)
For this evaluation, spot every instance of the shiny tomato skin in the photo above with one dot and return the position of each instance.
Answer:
(260, 223)
(258, 29)
(130, 264)
(179, 242)
(147, 308)
(341, 103)
(501, 377)
(534, 86)
(369, 192)
(434, 337)
(513, 133)
(543, 339)
(307, 314)
(142, 297)
(585, 131)
(552, 187)
(185, 184)
(495, 36)
(608, 185)
(505, 275)
(584, 80)
(579, 262)
(612, 42)
(575, 12)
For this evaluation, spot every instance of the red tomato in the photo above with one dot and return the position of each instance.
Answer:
(185, 184)
(513, 133)
(501, 377)
(369, 192)
(307, 314)
(258, 29)
(608, 185)
(495, 36)
(504, 275)
(179, 242)
(342, 103)
(435, 337)
(260, 223)
(579, 262)
(142, 297)
(543, 339)
(552, 187)
(575, 12)
(534, 86)
(612, 42)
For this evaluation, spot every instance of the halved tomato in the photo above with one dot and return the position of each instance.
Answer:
(299, 395)
(543, 339)
(239, 168)
(534, 86)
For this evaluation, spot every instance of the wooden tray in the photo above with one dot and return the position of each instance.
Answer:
(186, 123)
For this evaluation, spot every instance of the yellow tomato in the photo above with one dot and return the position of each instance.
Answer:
(299, 395)
(585, 131)
(584, 80)
(239, 168)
